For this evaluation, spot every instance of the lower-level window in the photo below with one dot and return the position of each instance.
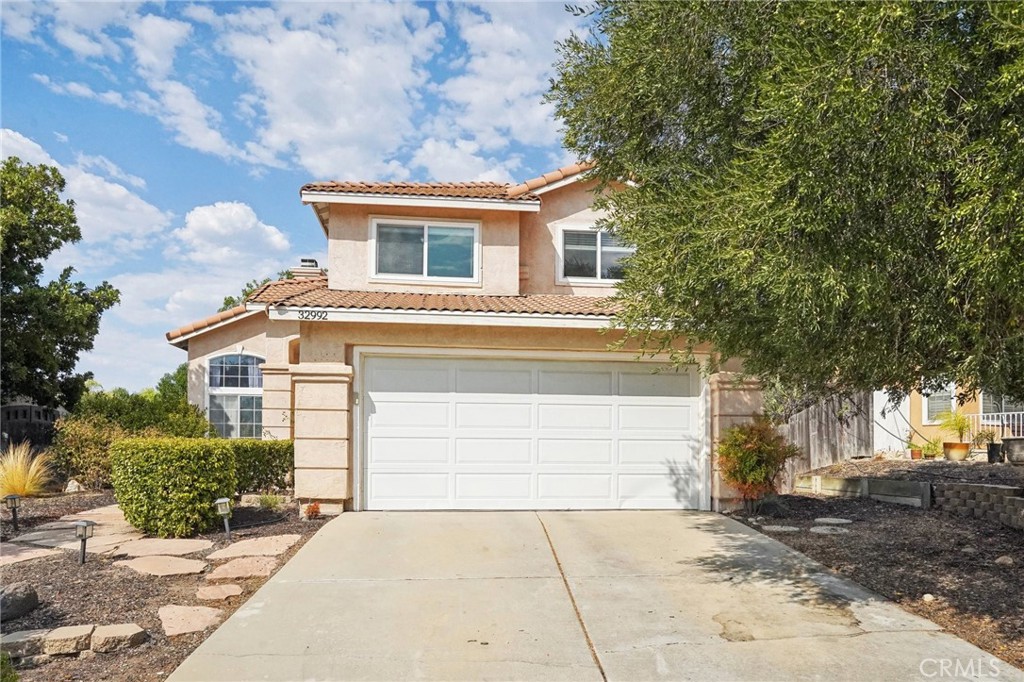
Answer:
(237, 416)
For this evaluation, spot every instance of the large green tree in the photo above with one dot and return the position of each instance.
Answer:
(832, 191)
(43, 326)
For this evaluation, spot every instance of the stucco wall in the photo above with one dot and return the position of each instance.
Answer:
(244, 336)
(565, 207)
(349, 258)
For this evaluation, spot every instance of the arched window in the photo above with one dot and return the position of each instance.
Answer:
(235, 391)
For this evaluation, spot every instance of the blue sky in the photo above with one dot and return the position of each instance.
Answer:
(185, 130)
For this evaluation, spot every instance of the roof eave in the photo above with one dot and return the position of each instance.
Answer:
(374, 199)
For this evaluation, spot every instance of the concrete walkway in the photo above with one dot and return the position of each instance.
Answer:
(567, 596)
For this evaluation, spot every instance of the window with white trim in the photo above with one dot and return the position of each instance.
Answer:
(235, 395)
(412, 249)
(592, 255)
(937, 403)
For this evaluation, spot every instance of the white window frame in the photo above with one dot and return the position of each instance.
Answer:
(597, 281)
(925, 405)
(231, 390)
(988, 417)
(424, 278)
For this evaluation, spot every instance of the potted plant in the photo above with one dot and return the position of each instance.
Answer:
(959, 424)
(986, 438)
(1013, 449)
(931, 449)
(914, 448)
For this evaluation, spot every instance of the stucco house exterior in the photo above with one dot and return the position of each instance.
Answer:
(455, 355)
(1002, 416)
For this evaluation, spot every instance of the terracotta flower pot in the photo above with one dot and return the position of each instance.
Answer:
(956, 452)
(915, 453)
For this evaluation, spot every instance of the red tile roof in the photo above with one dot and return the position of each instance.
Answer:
(206, 322)
(549, 178)
(313, 293)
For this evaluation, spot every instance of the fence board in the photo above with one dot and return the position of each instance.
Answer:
(831, 431)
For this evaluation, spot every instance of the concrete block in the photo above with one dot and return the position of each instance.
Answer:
(321, 424)
(68, 640)
(23, 643)
(321, 454)
(322, 484)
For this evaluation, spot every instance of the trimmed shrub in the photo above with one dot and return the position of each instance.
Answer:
(262, 464)
(81, 449)
(167, 486)
(751, 457)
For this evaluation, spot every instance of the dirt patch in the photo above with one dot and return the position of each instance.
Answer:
(101, 593)
(905, 553)
(934, 471)
(38, 510)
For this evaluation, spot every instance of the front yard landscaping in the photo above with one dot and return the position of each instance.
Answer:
(952, 570)
(934, 471)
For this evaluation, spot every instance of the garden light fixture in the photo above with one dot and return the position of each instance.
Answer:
(11, 502)
(83, 531)
(224, 509)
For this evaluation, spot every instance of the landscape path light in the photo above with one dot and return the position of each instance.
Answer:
(11, 502)
(224, 509)
(83, 531)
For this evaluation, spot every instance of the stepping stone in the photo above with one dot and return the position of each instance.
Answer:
(246, 567)
(163, 565)
(107, 638)
(162, 547)
(68, 640)
(829, 530)
(12, 554)
(272, 545)
(24, 643)
(178, 620)
(831, 521)
(98, 544)
(218, 592)
(780, 529)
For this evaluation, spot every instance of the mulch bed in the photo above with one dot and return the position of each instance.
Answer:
(101, 593)
(34, 511)
(905, 553)
(934, 471)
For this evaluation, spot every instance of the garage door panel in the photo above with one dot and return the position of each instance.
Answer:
(409, 414)
(402, 486)
(494, 381)
(652, 452)
(493, 451)
(418, 450)
(492, 486)
(493, 415)
(556, 416)
(407, 377)
(574, 451)
(572, 486)
(575, 383)
(665, 384)
(656, 417)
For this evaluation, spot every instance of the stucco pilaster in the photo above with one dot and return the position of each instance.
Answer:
(277, 401)
(735, 399)
(320, 400)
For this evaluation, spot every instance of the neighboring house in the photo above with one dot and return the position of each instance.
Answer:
(454, 357)
(23, 420)
(987, 411)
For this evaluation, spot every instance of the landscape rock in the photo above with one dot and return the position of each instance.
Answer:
(87, 654)
(16, 600)
(163, 565)
(928, 597)
(32, 661)
(828, 530)
(23, 643)
(178, 620)
(969, 550)
(74, 486)
(162, 547)
(246, 567)
(11, 553)
(832, 521)
(68, 640)
(218, 592)
(107, 638)
(1005, 560)
(272, 545)
(781, 529)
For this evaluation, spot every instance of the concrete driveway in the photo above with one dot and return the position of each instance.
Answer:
(568, 596)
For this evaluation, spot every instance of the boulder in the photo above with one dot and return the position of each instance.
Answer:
(23, 643)
(107, 638)
(74, 486)
(68, 640)
(16, 600)
(1005, 560)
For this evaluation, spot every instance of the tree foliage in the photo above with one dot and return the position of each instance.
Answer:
(832, 191)
(251, 286)
(43, 327)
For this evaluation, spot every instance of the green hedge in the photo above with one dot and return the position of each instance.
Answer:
(166, 486)
(262, 464)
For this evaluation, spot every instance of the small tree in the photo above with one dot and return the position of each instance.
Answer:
(751, 457)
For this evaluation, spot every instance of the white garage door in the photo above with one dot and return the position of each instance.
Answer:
(443, 433)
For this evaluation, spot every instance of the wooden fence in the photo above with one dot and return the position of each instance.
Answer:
(834, 430)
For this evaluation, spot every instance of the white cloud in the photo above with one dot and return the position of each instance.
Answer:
(133, 358)
(155, 41)
(228, 235)
(14, 143)
(105, 165)
(461, 160)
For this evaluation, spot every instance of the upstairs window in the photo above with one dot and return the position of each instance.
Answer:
(409, 249)
(591, 254)
(235, 396)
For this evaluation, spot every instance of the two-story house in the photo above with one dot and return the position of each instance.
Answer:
(455, 355)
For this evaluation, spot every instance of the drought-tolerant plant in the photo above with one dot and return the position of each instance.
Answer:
(932, 448)
(23, 472)
(955, 422)
(983, 438)
(167, 486)
(270, 502)
(751, 457)
(313, 510)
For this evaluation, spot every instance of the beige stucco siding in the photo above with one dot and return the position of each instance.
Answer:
(350, 264)
(243, 336)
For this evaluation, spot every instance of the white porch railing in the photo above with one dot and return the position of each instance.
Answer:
(1005, 424)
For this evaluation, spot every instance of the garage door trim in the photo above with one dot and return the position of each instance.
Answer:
(358, 423)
